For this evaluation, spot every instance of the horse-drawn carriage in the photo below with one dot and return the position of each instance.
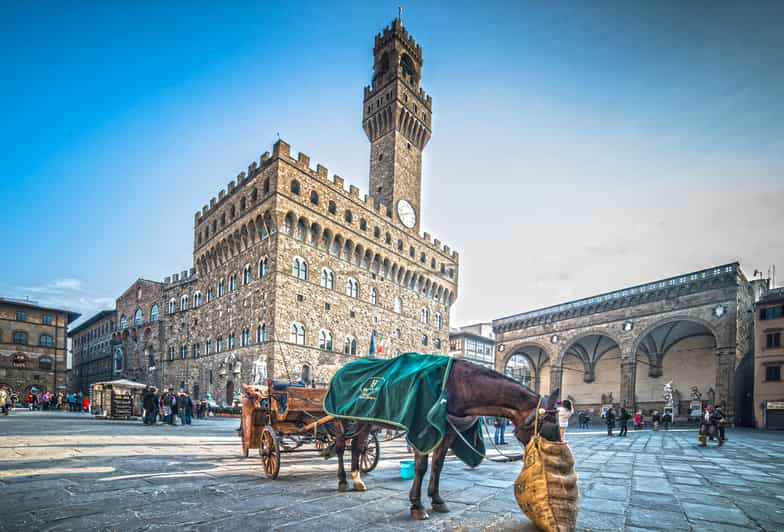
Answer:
(281, 418)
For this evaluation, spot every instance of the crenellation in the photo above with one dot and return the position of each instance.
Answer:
(221, 195)
(252, 167)
(167, 279)
(230, 188)
(426, 238)
(437, 244)
(353, 191)
(204, 210)
(281, 149)
(303, 160)
(321, 171)
(264, 158)
(338, 181)
(212, 202)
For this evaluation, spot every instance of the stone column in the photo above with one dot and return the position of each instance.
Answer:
(628, 374)
(556, 372)
(725, 379)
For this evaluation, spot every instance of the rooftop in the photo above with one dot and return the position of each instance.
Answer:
(96, 317)
(624, 297)
(29, 303)
(776, 295)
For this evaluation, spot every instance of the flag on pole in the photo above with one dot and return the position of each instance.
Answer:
(373, 343)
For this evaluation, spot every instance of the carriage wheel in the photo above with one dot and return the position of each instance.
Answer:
(269, 450)
(368, 460)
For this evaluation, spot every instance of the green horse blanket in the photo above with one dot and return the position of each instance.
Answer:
(408, 392)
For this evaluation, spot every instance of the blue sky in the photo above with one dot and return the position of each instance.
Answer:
(577, 147)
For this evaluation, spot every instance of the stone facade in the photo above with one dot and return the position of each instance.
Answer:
(692, 329)
(33, 347)
(475, 343)
(293, 269)
(92, 349)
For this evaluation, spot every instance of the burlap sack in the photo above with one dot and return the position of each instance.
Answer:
(546, 488)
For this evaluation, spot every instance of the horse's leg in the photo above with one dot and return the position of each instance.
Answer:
(358, 444)
(437, 503)
(340, 447)
(415, 495)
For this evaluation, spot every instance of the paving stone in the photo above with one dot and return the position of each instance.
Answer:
(602, 505)
(656, 519)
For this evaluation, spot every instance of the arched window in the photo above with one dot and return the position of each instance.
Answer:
(196, 350)
(352, 287)
(233, 212)
(400, 245)
(314, 199)
(350, 346)
(327, 279)
(261, 333)
(221, 287)
(266, 186)
(363, 224)
(295, 187)
(437, 319)
(254, 195)
(373, 296)
(232, 282)
(437, 343)
(210, 294)
(388, 238)
(299, 268)
(424, 315)
(137, 317)
(20, 337)
(154, 312)
(246, 275)
(45, 363)
(424, 340)
(45, 340)
(172, 309)
(183, 351)
(263, 267)
(208, 346)
(325, 340)
(242, 203)
(245, 338)
(376, 232)
(123, 322)
(518, 368)
(232, 341)
(297, 333)
(397, 305)
(331, 207)
(197, 299)
(184, 303)
(348, 216)
(301, 230)
(219, 344)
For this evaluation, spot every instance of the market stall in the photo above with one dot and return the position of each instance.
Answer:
(120, 399)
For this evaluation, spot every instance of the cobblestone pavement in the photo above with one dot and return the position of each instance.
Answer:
(71, 472)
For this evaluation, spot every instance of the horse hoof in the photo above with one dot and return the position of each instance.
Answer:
(343, 486)
(418, 514)
(440, 507)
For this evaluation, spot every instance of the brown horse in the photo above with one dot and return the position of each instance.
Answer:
(471, 391)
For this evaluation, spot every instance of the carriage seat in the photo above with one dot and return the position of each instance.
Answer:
(280, 386)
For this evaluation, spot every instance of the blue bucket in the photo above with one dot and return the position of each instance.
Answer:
(407, 469)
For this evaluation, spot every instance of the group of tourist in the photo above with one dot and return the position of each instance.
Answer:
(72, 402)
(169, 406)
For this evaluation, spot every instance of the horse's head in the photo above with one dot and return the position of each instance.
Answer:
(548, 422)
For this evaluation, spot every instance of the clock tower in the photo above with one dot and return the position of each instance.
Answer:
(396, 118)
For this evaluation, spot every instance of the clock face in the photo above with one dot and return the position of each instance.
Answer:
(406, 213)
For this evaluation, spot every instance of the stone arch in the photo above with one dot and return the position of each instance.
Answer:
(669, 319)
(315, 234)
(583, 334)
(326, 239)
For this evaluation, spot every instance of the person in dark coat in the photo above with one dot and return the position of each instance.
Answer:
(624, 419)
(187, 407)
(609, 418)
(150, 403)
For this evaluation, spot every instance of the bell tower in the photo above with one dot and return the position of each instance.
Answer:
(396, 118)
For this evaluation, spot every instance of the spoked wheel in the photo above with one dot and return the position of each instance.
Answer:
(269, 450)
(368, 460)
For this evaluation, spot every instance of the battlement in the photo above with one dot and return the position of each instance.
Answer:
(282, 150)
(426, 99)
(397, 30)
(183, 276)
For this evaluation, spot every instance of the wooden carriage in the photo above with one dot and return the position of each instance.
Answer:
(280, 419)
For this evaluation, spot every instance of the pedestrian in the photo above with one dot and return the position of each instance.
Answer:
(188, 408)
(500, 426)
(86, 403)
(166, 410)
(181, 407)
(656, 418)
(667, 420)
(609, 418)
(565, 411)
(624, 420)
(175, 411)
(148, 402)
(638, 420)
(717, 417)
(4, 401)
